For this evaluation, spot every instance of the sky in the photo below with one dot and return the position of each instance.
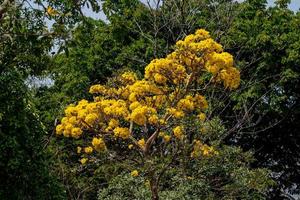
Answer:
(295, 4)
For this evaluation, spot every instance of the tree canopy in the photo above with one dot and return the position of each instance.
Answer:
(152, 105)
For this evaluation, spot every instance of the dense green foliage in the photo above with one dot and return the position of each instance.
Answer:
(269, 51)
(24, 160)
(225, 176)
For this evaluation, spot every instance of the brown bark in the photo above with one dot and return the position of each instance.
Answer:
(154, 189)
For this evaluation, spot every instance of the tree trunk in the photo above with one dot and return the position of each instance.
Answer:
(154, 189)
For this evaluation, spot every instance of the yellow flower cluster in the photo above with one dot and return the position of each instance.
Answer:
(78, 118)
(202, 149)
(68, 128)
(167, 138)
(79, 149)
(142, 143)
(165, 70)
(100, 89)
(123, 133)
(186, 104)
(176, 113)
(221, 66)
(88, 150)
(83, 160)
(134, 173)
(128, 78)
(132, 108)
(140, 114)
(202, 117)
(114, 108)
(98, 144)
(51, 11)
(141, 89)
(178, 132)
(196, 53)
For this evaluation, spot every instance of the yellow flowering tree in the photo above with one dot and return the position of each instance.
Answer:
(150, 122)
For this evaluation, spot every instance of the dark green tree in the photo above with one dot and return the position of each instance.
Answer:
(24, 161)
(266, 43)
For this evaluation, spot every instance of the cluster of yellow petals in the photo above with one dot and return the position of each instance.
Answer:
(98, 144)
(51, 11)
(122, 132)
(165, 70)
(83, 160)
(168, 92)
(201, 149)
(195, 54)
(202, 117)
(88, 150)
(178, 132)
(142, 143)
(141, 113)
(186, 104)
(79, 149)
(68, 128)
(134, 173)
(128, 78)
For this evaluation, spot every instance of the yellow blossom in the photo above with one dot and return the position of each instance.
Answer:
(79, 149)
(70, 110)
(123, 133)
(186, 104)
(68, 126)
(67, 132)
(76, 132)
(134, 105)
(139, 115)
(160, 78)
(202, 149)
(82, 114)
(129, 77)
(153, 119)
(72, 120)
(200, 102)
(167, 138)
(51, 11)
(91, 118)
(161, 134)
(98, 144)
(178, 132)
(142, 143)
(134, 173)
(88, 150)
(59, 129)
(202, 117)
(176, 113)
(64, 120)
(113, 123)
(97, 89)
(83, 160)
